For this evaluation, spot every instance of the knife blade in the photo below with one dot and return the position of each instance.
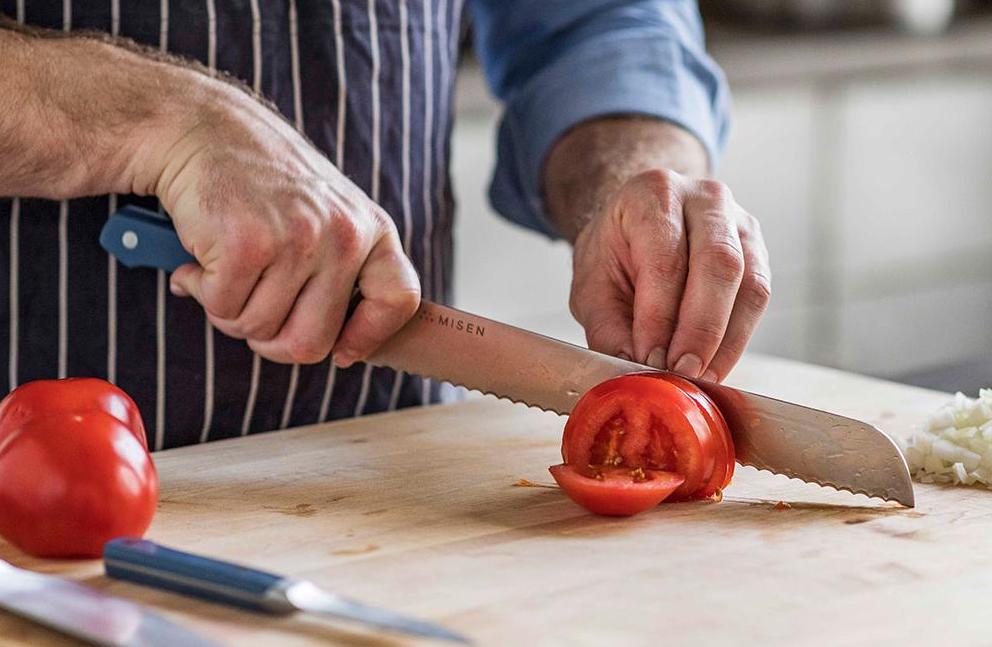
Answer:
(495, 358)
(88, 614)
(145, 562)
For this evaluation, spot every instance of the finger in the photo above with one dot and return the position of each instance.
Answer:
(659, 252)
(314, 323)
(390, 297)
(608, 322)
(224, 280)
(752, 301)
(269, 305)
(716, 267)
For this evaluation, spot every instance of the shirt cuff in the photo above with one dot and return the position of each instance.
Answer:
(652, 76)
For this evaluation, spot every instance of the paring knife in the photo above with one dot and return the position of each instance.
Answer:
(144, 562)
(495, 358)
(88, 614)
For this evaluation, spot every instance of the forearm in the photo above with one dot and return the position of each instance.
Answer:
(82, 115)
(591, 162)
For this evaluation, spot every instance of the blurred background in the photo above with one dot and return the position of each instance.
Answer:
(862, 140)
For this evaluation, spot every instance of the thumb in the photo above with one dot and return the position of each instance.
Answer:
(186, 281)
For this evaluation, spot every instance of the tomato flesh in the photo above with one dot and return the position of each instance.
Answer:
(616, 492)
(650, 423)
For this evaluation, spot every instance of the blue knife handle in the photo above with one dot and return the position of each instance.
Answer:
(142, 238)
(145, 562)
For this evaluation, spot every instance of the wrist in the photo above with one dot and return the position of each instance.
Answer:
(589, 164)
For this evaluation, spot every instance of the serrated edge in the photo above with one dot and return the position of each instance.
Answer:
(827, 484)
(792, 476)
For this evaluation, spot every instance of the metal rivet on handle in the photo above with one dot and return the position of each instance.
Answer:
(129, 240)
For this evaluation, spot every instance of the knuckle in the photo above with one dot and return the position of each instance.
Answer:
(756, 289)
(307, 350)
(303, 234)
(723, 260)
(706, 333)
(346, 236)
(715, 190)
(657, 178)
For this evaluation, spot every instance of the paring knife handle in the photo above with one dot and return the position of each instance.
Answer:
(142, 238)
(145, 562)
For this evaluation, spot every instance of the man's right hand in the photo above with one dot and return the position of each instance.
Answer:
(281, 236)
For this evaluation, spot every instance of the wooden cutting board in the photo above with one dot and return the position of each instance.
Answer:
(418, 511)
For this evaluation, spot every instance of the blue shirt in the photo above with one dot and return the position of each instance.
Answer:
(370, 83)
(556, 63)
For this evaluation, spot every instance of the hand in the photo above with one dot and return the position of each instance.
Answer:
(672, 273)
(281, 237)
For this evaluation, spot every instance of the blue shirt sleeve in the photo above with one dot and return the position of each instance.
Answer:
(556, 63)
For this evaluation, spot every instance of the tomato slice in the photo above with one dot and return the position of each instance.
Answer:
(725, 463)
(626, 431)
(613, 491)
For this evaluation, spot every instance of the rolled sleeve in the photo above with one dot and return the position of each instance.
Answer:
(606, 58)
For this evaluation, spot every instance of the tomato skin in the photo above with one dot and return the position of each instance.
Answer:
(718, 426)
(652, 422)
(73, 395)
(70, 481)
(616, 494)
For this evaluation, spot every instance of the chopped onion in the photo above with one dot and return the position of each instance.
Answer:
(955, 445)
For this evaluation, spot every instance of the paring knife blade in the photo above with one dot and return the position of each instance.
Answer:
(522, 366)
(88, 614)
(145, 562)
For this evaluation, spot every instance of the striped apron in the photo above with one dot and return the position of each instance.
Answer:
(369, 82)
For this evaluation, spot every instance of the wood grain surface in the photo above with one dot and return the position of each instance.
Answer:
(418, 511)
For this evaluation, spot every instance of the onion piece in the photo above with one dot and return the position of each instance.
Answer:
(955, 444)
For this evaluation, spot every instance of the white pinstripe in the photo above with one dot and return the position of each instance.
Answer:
(211, 36)
(294, 60)
(332, 370)
(63, 288)
(363, 394)
(64, 247)
(160, 361)
(112, 300)
(115, 17)
(15, 220)
(256, 46)
(256, 367)
(256, 361)
(426, 278)
(394, 395)
(163, 40)
(115, 29)
(208, 329)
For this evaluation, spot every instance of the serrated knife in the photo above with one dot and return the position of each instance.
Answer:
(492, 357)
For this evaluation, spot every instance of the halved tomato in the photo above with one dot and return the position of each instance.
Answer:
(616, 492)
(644, 424)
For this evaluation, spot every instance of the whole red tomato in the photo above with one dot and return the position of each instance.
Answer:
(74, 468)
(636, 440)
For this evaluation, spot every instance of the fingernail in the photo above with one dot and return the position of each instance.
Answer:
(177, 290)
(711, 376)
(689, 365)
(656, 358)
(342, 360)
(624, 356)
